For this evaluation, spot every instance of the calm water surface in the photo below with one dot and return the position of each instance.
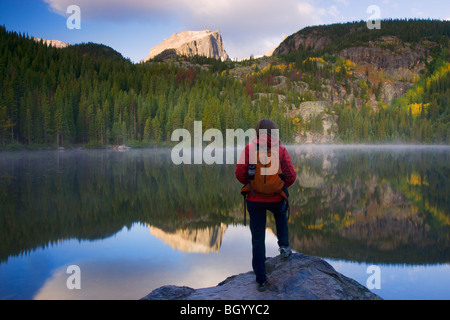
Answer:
(133, 221)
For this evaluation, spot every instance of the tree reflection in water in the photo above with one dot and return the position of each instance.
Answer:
(366, 204)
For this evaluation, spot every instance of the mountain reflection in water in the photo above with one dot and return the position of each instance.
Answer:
(203, 240)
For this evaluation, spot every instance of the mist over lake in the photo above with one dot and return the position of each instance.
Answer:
(133, 221)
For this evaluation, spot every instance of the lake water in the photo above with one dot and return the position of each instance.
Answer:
(134, 221)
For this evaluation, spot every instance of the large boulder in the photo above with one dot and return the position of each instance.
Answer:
(299, 277)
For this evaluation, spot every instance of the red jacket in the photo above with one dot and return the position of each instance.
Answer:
(287, 168)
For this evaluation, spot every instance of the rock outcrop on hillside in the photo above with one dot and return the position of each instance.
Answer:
(300, 40)
(402, 62)
(203, 43)
(310, 110)
(299, 277)
(52, 43)
(394, 65)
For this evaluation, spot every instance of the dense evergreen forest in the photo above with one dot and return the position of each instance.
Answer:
(353, 34)
(89, 94)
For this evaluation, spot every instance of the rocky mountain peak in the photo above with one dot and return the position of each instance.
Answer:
(204, 43)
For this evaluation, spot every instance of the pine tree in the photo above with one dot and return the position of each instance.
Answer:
(147, 130)
(381, 130)
(116, 133)
(156, 130)
(28, 125)
(123, 133)
(9, 101)
(5, 124)
(190, 117)
(100, 126)
(366, 129)
(358, 128)
(208, 117)
(59, 126)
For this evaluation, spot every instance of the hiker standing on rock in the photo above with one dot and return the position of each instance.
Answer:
(266, 170)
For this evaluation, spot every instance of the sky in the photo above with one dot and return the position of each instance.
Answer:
(248, 27)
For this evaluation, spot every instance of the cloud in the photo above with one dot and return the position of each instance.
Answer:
(417, 12)
(244, 25)
(117, 10)
(333, 11)
(346, 2)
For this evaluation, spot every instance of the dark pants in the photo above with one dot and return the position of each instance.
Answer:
(257, 212)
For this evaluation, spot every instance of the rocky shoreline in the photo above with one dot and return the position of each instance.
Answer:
(299, 277)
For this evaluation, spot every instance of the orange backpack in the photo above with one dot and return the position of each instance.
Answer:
(263, 179)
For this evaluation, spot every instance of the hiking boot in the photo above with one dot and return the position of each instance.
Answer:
(262, 287)
(285, 252)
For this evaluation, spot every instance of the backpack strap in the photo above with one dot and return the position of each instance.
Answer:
(245, 212)
(286, 192)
